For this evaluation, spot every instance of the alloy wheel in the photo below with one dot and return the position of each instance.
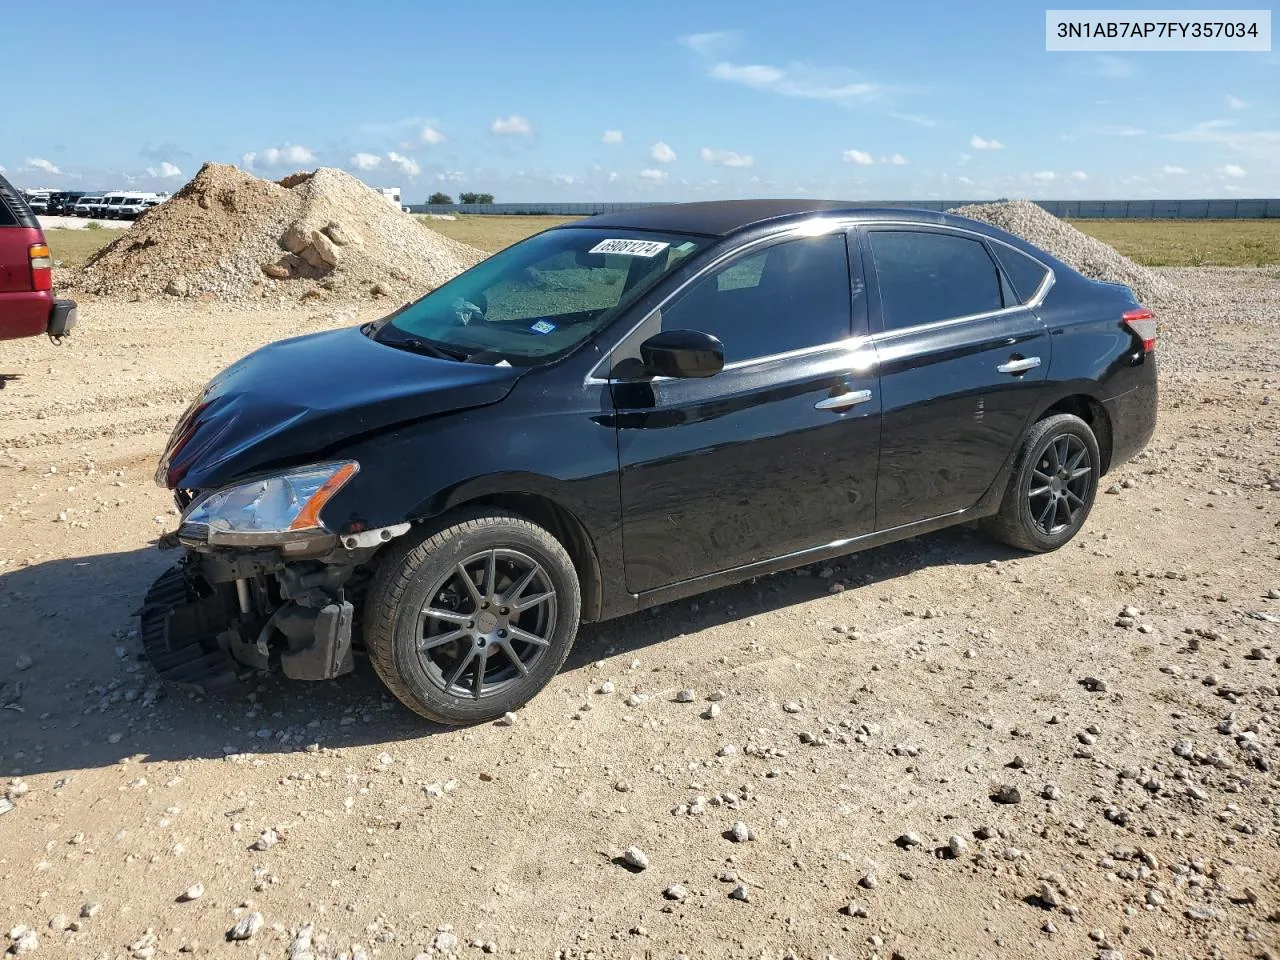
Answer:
(1060, 481)
(486, 623)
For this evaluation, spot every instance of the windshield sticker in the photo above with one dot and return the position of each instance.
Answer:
(630, 248)
(685, 247)
(542, 326)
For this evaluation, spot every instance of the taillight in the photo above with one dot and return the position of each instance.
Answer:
(41, 267)
(1142, 322)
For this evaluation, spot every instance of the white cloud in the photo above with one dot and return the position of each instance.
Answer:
(1079, 175)
(725, 158)
(705, 44)
(290, 153)
(430, 135)
(651, 174)
(1044, 176)
(1235, 103)
(915, 118)
(40, 163)
(897, 160)
(1172, 170)
(407, 165)
(512, 126)
(860, 157)
(964, 180)
(611, 136)
(1262, 144)
(796, 81)
(661, 152)
(2, 169)
(979, 143)
(451, 176)
(365, 161)
(166, 171)
(1122, 131)
(1231, 170)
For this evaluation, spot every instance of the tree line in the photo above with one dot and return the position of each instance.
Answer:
(462, 198)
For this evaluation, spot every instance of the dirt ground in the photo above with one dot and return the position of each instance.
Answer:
(858, 717)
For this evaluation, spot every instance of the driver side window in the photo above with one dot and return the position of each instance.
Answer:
(788, 296)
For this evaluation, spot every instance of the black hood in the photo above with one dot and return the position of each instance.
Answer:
(297, 397)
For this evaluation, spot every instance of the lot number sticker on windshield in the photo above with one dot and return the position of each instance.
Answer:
(631, 248)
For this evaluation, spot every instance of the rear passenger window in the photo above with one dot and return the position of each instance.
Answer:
(1025, 274)
(925, 277)
(792, 295)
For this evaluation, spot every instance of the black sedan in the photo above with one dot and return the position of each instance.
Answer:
(628, 410)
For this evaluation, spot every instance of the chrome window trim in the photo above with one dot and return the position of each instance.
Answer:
(850, 345)
(806, 228)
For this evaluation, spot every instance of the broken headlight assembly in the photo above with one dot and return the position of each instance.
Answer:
(277, 509)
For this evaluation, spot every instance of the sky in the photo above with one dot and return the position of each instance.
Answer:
(577, 101)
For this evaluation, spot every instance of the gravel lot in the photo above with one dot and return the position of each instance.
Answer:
(941, 748)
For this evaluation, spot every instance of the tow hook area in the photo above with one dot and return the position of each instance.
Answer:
(210, 620)
(319, 641)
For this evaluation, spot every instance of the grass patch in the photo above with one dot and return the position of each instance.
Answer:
(493, 233)
(71, 248)
(1190, 243)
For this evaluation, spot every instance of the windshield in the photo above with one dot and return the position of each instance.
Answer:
(535, 301)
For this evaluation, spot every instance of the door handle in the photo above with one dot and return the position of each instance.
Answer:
(843, 401)
(1019, 366)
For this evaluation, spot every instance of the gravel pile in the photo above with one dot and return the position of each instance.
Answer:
(227, 235)
(1091, 257)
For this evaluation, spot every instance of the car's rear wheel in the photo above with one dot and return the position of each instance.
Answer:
(473, 618)
(1052, 488)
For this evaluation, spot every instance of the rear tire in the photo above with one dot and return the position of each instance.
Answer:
(1052, 488)
(458, 653)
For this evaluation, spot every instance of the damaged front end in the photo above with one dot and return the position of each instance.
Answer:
(263, 584)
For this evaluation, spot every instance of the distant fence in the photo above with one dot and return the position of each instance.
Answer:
(1072, 209)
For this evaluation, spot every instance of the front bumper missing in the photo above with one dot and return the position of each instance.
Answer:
(211, 620)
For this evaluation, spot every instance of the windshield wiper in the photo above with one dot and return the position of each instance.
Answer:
(428, 348)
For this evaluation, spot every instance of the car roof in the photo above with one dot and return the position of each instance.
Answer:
(720, 218)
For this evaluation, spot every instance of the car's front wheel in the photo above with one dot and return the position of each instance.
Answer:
(471, 620)
(1052, 488)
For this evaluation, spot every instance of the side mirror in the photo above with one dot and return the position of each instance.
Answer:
(682, 353)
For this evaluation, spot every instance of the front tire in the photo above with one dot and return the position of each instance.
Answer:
(1053, 486)
(473, 618)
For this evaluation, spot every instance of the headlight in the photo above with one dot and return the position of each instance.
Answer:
(269, 510)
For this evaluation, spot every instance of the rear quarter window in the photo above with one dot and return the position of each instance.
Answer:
(1025, 274)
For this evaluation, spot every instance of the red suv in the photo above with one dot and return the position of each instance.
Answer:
(27, 304)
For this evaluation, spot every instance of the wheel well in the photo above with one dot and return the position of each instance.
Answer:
(1094, 414)
(566, 528)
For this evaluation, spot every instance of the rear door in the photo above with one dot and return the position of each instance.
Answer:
(962, 366)
(777, 452)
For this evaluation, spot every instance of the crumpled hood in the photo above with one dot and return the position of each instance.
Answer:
(300, 396)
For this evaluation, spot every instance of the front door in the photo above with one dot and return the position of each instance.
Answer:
(962, 366)
(777, 452)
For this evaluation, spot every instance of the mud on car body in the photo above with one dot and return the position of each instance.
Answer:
(625, 411)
